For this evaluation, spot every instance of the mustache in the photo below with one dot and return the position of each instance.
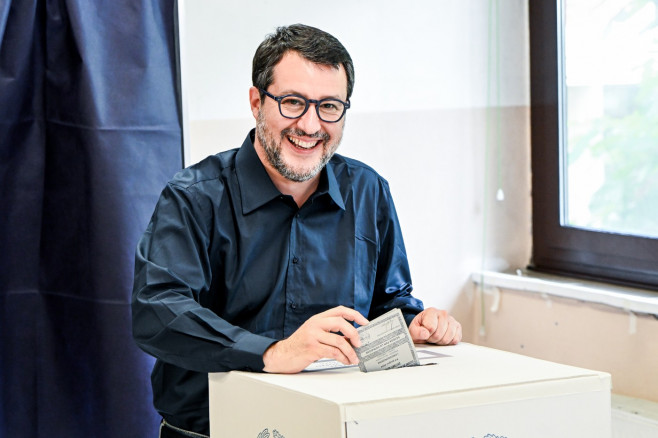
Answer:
(301, 133)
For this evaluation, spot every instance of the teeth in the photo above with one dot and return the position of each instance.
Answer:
(303, 144)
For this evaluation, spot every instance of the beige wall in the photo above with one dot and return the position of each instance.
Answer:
(575, 333)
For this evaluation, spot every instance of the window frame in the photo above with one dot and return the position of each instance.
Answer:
(604, 256)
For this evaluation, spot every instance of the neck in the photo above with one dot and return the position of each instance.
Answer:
(300, 191)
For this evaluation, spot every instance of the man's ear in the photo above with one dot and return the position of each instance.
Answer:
(254, 101)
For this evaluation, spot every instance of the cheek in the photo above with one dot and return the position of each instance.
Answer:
(272, 122)
(336, 135)
(337, 129)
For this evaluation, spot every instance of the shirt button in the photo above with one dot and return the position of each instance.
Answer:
(295, 260)
(293, 305)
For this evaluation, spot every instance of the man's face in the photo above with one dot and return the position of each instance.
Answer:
(298, 149)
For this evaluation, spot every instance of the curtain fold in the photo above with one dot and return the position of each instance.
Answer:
(89, 134)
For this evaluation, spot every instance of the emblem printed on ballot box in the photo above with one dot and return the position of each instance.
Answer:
(266, 434)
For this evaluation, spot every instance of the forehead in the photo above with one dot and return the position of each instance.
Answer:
(295, 73)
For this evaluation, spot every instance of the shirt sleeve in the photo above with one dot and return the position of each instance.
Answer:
(173, 271)
(393, 279)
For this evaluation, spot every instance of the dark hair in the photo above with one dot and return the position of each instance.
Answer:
(313, 44)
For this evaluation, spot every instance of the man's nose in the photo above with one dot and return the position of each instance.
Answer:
(310, 122)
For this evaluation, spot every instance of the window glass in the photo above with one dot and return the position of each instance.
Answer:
(610, 87)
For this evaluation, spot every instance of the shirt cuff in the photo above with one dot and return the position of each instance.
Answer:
(408, 317)
(249, 350)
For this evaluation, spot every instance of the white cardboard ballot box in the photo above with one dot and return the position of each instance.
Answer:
(466, 391)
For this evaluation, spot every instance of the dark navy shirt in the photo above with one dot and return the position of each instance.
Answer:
(228, 265)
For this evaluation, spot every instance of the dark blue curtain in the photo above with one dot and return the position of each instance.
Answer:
(89, 134)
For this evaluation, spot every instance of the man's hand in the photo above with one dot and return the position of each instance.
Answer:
(317, 338)
(434, 326)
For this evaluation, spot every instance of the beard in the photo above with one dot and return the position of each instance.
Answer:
(272, 147)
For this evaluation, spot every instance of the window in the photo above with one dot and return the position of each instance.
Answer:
(594, 117)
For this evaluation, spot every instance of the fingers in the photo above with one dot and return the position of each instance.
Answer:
(337, 347)
(452, 335)
(419, 334)
(436, 327)
(325, 335)
(336, 324)
(346, 313)
(335, 320)
(424, 325)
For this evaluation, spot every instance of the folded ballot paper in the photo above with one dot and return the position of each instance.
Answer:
(386, 344)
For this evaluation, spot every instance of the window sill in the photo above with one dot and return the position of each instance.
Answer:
(625, 298)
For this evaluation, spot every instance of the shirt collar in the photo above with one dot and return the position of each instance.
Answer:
(256, 187)
(332, 185)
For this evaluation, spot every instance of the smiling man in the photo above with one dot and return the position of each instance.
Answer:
(264, 258)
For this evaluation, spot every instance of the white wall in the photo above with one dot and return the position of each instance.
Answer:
(431, 111)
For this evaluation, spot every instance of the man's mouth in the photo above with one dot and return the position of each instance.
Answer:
(303, 144)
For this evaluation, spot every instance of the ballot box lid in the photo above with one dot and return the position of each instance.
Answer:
(455, 376)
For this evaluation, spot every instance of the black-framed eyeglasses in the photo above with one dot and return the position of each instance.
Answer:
(293, 106)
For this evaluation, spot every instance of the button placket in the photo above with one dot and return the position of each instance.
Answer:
(293, 281)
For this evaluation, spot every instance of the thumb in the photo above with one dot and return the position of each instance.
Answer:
(418, 332)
